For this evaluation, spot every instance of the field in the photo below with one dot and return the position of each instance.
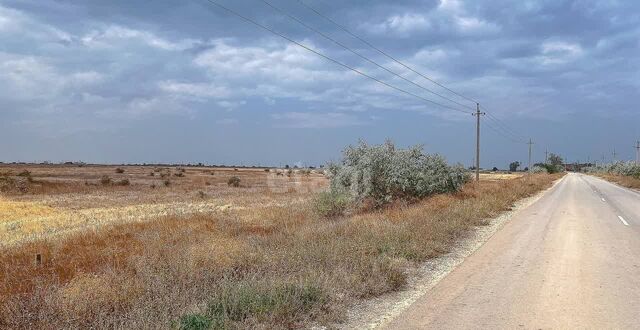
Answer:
(197, 252)
(62, 199)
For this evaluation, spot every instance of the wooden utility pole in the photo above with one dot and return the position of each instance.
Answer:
(530, 144)
(478, 114)
(637, 152)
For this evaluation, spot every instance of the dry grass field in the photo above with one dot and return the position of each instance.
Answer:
(198, 253)
(62, 199)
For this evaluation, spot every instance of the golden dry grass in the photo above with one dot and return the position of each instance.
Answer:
(16, 210)
(625, 181)
(500, 176)
(276, 265)
(65, 199)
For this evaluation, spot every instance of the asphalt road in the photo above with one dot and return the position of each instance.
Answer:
(570, 260)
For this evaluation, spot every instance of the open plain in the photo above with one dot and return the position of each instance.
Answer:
(58, 199)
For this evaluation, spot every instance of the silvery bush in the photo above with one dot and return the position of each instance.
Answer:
(539, 169)
(619, 168)
(383, 173)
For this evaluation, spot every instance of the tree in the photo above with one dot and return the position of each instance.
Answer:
(514, 166)
(555, 159)
(495, 169)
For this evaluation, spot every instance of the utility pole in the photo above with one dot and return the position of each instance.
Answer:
(546, 156)
(614, 155)
(478, 114)
(637, 152)
(530, 143)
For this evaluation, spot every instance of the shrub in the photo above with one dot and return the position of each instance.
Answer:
(201, 194)
(258, 300)
(9, 184)
(152, 174)
(331, 203)
(105, 180)
(539, 169)
(26, 174)
(552, 169)
(123, 182)
(194, 322)
(179, 174)
(119, 170)
(233, 181)
(166, 182)
(619, 168)
(383, 173)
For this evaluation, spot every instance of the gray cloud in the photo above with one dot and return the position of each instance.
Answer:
(68, 68)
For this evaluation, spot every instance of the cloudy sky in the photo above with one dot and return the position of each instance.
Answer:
(185, 81)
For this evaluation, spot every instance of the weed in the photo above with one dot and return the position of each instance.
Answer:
(123, 182)
(233, 181)
(195, 322)
(285, 301)
(105, 180)
(331, 204)
(26, 174)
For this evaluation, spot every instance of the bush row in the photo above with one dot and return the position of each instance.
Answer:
(618, 168)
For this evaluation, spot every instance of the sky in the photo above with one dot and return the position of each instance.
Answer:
(183, 81)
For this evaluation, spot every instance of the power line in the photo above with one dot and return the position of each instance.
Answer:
(249, 20)
(343, 28)
(506, 127)
(505, 131)
(513, 136)
(497, 131)
(324, 35)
